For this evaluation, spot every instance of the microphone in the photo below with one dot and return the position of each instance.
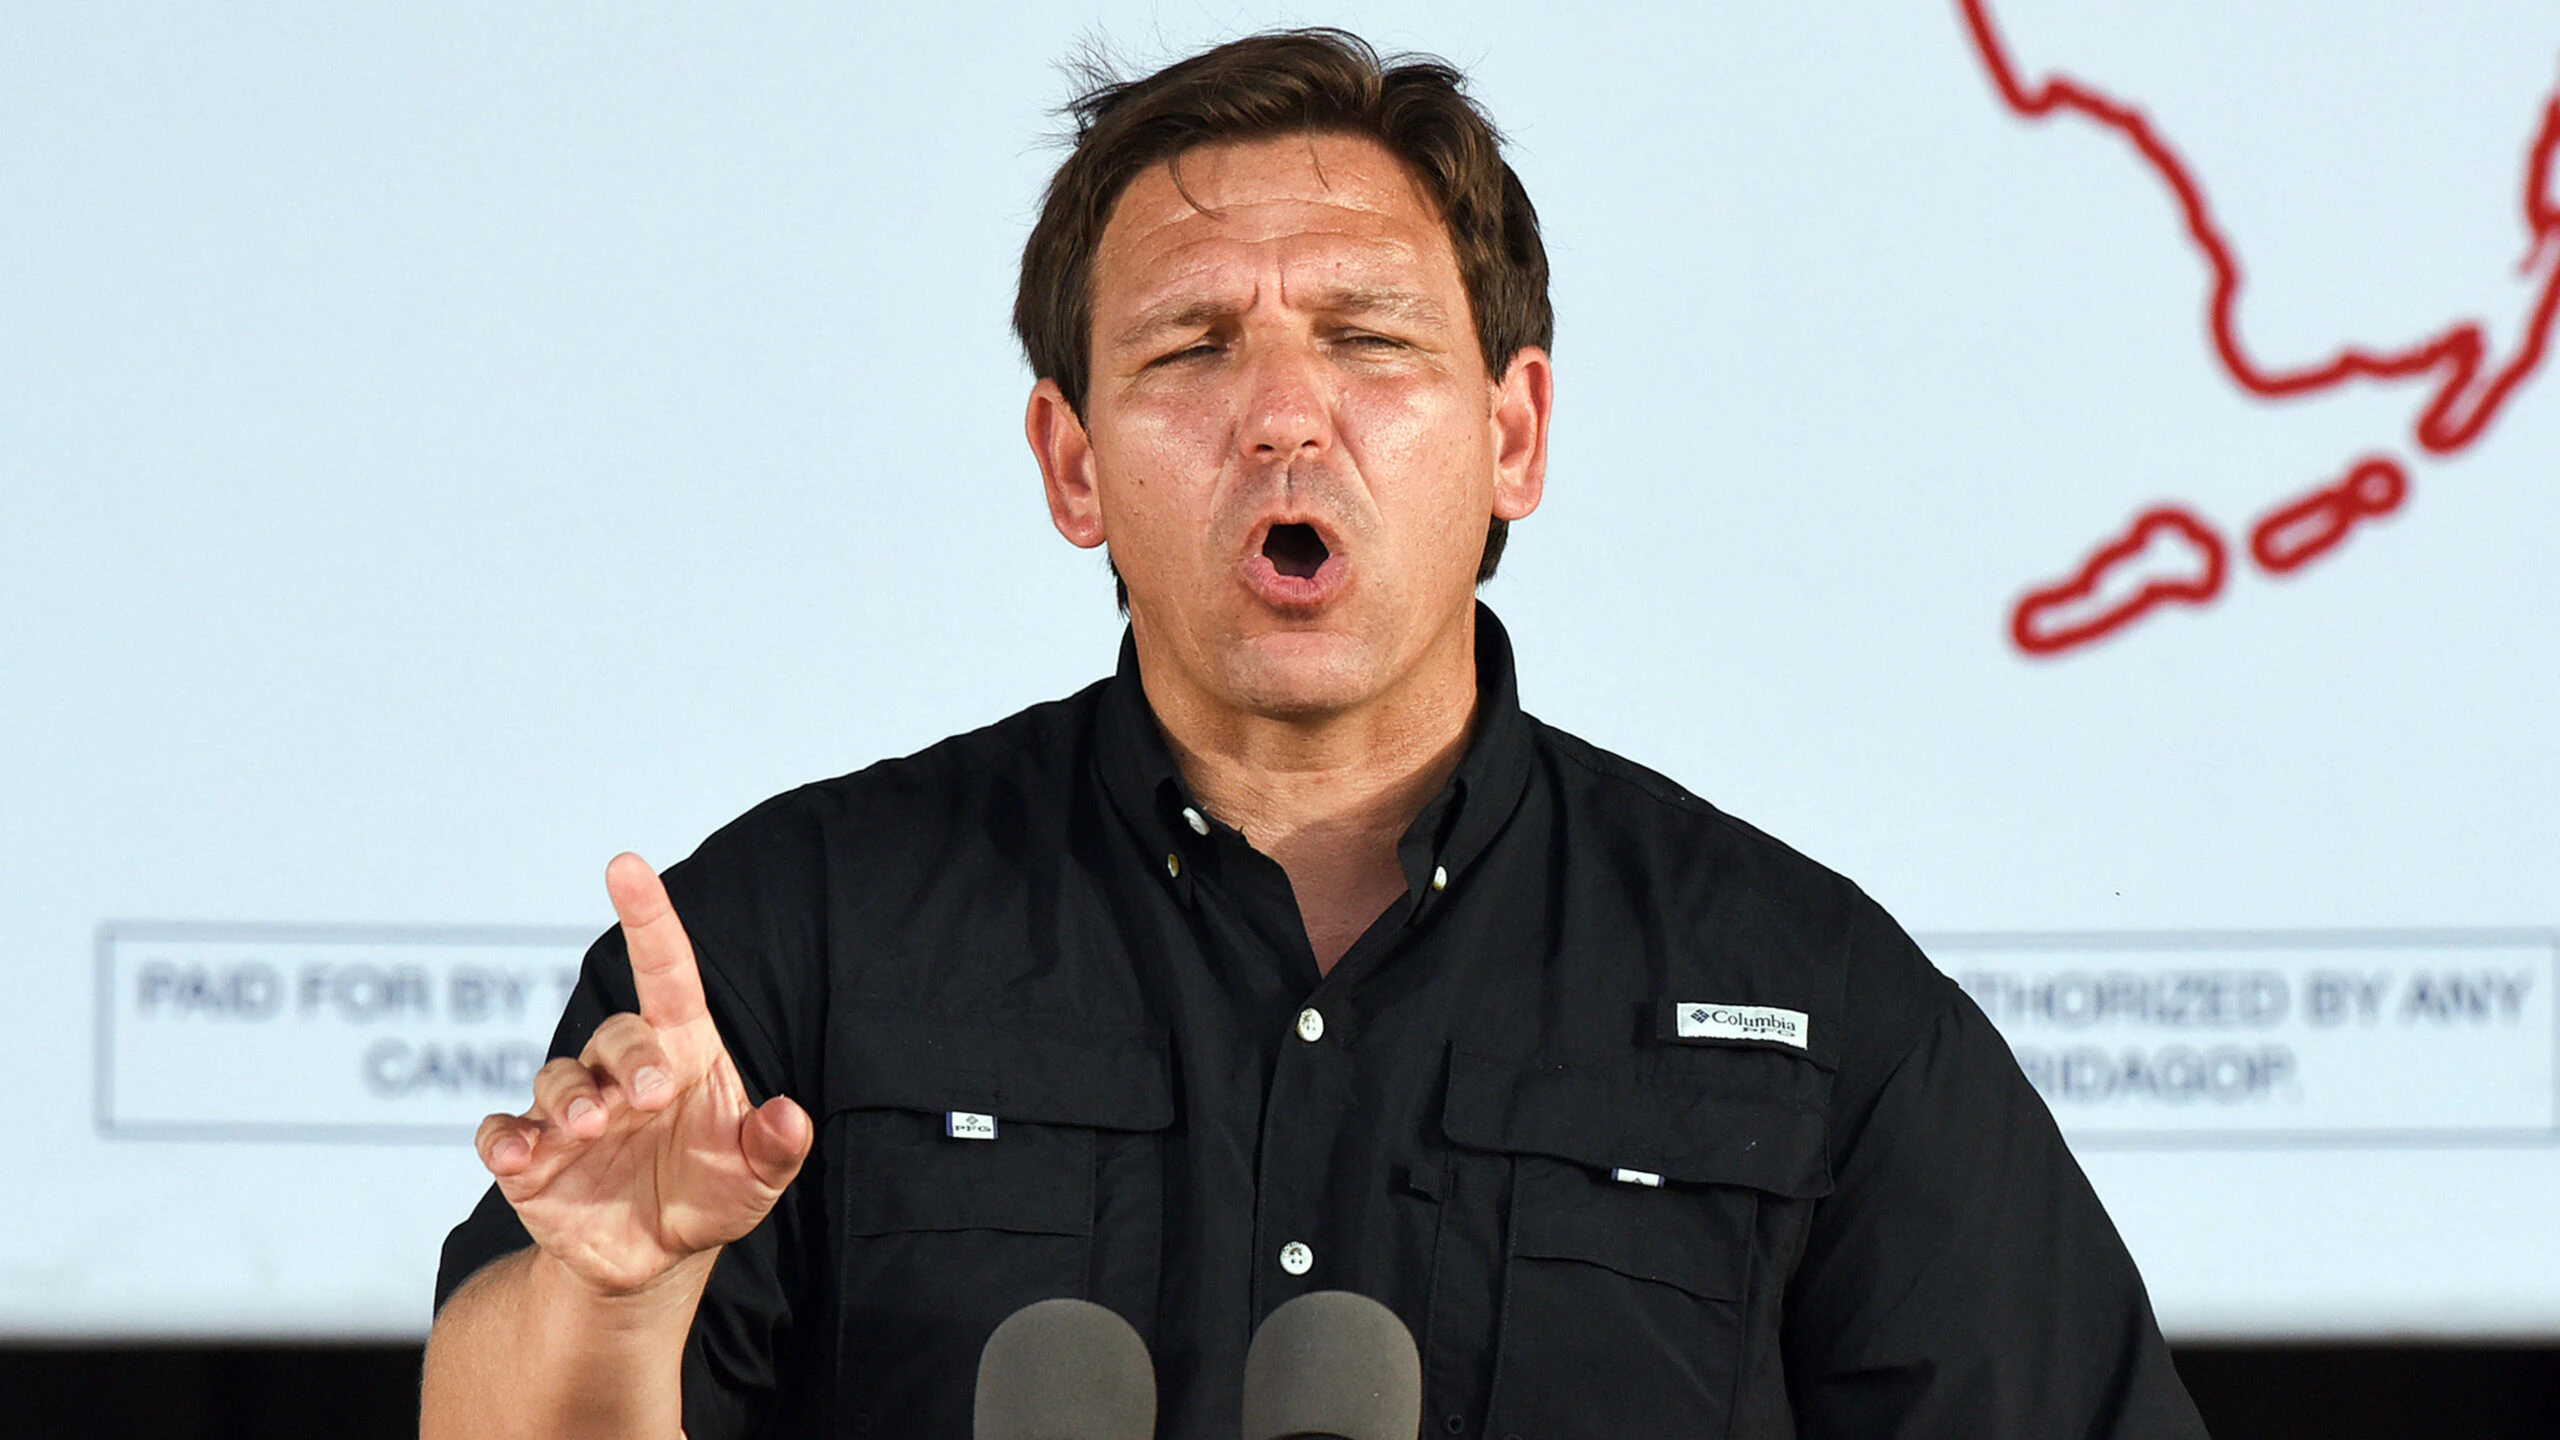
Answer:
(1331, 1365)
(1065, 1370)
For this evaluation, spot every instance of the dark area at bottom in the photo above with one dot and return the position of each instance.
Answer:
(2258, 1392)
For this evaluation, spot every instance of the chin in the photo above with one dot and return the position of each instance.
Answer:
(1299, 676)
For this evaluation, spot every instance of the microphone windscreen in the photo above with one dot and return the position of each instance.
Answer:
(1065, 1370)
(1331, 1363)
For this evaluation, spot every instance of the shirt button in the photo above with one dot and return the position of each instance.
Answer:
(1439, 877)
(1297, 1259)
(1173, 866)
(1198, 822)
(1310, 1025)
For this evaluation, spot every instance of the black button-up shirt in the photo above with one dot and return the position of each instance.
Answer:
(1646, 1125)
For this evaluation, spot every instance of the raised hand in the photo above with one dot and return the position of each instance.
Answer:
(644, 1151)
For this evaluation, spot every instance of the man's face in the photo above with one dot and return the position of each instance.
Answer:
(1290, 441)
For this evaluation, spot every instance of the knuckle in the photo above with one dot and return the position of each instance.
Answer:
(641, 1049)
(619, 1033)
(558, 1081)
(599, 1041)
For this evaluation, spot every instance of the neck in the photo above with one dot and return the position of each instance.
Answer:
(1328, 796)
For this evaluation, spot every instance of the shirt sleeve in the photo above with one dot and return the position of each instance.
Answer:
(759, 1320)
(1962, 1279)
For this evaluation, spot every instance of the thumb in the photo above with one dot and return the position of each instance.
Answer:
(775, 1138)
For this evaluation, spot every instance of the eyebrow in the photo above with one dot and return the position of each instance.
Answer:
(1355, 300)
(1406, 305)
(1188, 315)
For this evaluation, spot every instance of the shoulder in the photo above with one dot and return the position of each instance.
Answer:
(1752, 897)
(1049, 739)
(889, 807)
(1611, 793)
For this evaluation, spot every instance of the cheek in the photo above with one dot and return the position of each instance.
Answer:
(1157, 466)
(1167, 431)
(1421, 440)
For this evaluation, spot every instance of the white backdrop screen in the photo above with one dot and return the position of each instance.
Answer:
(2086, 471)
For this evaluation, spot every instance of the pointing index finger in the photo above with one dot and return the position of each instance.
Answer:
(662, 963)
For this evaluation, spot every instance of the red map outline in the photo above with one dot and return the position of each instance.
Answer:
(2308, 528)
(2043, 623)
(2458, 414)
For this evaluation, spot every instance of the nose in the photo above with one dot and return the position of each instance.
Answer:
(1288, 407)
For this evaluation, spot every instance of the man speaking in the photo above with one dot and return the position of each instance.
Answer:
(1294, 956)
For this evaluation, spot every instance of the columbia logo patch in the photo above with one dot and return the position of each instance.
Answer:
(1701, 1021)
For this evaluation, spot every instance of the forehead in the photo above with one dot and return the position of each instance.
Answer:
(1343, 204)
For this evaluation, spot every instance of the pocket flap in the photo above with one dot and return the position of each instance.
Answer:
(1685, 1127)
(1697, 1240)
(1038, 1070)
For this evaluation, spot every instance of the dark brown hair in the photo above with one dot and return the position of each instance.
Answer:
(1286, 82)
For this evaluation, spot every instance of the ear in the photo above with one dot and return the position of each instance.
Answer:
(1524, 401)
(1065, 452)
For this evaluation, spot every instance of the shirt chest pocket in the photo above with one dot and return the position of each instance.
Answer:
(1635, 1222)
(976, 1167)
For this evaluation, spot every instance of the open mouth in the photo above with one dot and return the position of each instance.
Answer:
(1295, 550)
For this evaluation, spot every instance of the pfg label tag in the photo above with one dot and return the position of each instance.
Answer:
(966, 1125)
(1706, 1021)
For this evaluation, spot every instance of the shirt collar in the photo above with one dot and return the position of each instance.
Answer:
(1437, 850)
